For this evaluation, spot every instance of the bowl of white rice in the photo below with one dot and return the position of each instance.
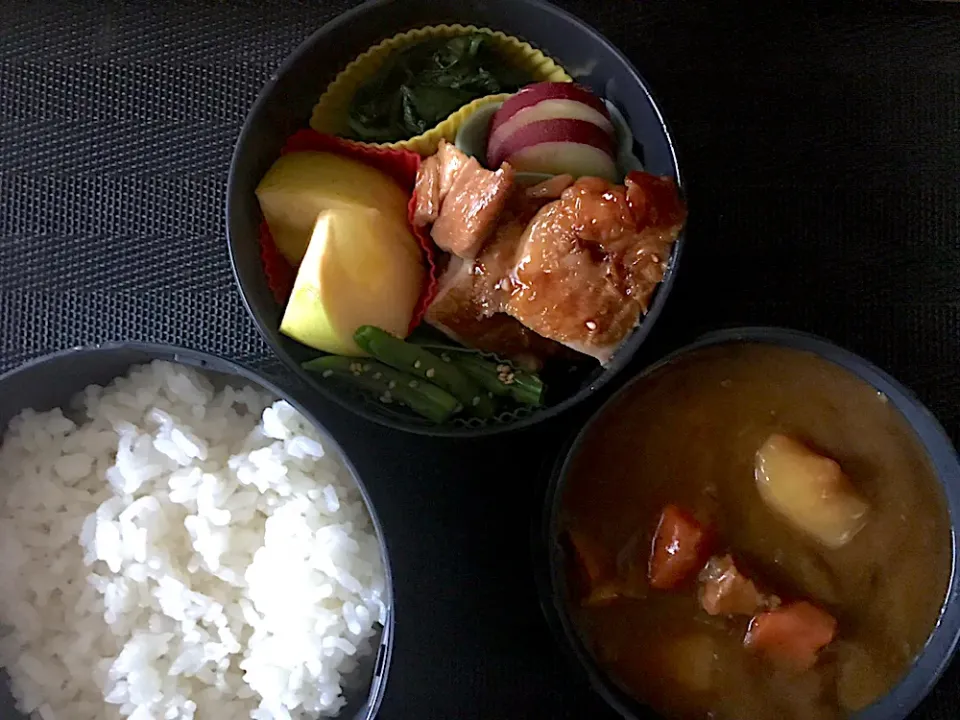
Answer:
(180, 539)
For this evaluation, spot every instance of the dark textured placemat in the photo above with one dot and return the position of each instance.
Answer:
(822, 154)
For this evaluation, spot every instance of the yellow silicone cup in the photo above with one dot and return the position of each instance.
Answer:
(332, 109)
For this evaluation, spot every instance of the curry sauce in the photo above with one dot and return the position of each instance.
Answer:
(688, 435)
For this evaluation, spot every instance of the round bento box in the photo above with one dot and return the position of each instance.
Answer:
(285, 106)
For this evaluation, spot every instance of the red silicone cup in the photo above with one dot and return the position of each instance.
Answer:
(401, 165)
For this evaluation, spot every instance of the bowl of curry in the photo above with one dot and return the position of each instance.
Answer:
(761, 525)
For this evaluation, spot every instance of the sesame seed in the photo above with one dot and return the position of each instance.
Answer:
(445, 357)
(475, 401)
(366, 367)
(413, 383)
(327, 373)
(591, 325)
(377, 376)
(392, 384)
(386, 398)
(417, 364)
(431, 372)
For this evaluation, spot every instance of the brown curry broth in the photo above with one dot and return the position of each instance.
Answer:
(688, 435)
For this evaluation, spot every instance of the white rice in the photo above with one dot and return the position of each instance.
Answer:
(180, 552)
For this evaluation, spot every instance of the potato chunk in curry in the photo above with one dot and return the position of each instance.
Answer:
(809, 490)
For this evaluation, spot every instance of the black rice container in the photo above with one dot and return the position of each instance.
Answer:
(284, 106)
(52, 381)
(942, 643)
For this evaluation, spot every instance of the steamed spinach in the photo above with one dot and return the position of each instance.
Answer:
(421, 85)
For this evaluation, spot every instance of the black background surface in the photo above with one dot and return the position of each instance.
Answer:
(821, 151)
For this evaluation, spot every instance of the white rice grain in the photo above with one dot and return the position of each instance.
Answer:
(176, 552)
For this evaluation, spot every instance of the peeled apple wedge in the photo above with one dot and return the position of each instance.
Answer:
(809, 490)
(301, 185)
(361, 268)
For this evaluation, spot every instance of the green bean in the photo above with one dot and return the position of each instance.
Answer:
(440, 348)
(388, 385)
(503, 379)
(413, 359)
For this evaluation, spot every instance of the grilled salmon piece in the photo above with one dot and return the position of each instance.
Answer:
(427, 192)
(450, 162)
(470, 211)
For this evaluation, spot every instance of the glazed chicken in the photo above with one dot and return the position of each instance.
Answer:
(588, 263)
(574, 262)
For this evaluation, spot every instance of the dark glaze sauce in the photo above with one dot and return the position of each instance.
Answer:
(688, 435)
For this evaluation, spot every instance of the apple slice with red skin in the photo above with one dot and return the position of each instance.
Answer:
(557, 147)
(539, 92)
(547, 110)
(547, 101)
(557, 158)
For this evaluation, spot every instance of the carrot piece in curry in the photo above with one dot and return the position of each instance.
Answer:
(679, 549)
(591, 566)
(791, 636)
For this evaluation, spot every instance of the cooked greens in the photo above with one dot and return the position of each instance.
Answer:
(421, 85)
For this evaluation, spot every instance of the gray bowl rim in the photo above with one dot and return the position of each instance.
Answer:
(625, 352)
(205, 361)
(940, 646)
